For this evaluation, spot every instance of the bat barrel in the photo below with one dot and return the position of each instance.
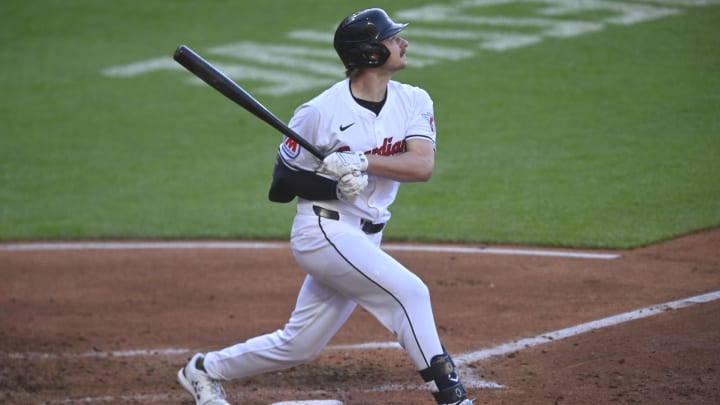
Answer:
(223, 84)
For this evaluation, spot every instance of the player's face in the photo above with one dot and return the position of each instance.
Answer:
(397, 47)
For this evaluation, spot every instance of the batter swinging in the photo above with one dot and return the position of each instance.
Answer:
(379, 133)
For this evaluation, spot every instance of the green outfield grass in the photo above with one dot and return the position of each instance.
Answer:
(606, 140)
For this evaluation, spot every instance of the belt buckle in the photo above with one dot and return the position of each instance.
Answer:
(369, 227)
(326, 213)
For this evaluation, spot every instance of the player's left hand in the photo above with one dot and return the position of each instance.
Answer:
(338, 164)
(350, 186)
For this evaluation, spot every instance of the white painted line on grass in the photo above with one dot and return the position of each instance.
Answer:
(68, 246)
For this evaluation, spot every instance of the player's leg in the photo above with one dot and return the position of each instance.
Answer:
(389, 291)
(319, 313)
(361, 271)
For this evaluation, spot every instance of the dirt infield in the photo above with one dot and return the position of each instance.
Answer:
(113, 326)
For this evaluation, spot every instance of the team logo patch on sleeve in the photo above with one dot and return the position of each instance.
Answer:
(290, 149)
(431, 120)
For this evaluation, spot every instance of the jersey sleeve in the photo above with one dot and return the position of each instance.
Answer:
(305, 122)
(422, 120)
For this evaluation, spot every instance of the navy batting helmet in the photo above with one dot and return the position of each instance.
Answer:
(357, 38)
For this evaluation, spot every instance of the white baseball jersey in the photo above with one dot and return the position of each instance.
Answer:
(333, 121)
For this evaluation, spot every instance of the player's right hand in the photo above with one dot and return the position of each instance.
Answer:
(351, 185)
(338, 164)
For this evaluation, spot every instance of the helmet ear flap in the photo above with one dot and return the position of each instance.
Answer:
(365, 55)
(375, 54)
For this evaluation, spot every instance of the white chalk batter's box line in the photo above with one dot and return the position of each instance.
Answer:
(470, 380)
(66, 246)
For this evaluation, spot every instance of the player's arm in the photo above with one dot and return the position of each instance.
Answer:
(416, 164)
(288, 183)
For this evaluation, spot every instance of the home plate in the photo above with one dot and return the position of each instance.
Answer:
(317, 402)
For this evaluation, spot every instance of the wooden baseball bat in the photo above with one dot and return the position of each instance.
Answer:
(220, 82)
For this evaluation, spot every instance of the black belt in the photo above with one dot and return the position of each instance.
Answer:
(367, 226)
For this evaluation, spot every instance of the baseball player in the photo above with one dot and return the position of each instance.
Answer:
(378, 133)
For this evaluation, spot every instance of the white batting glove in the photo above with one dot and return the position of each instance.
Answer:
(350, 186)
(338, 164)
